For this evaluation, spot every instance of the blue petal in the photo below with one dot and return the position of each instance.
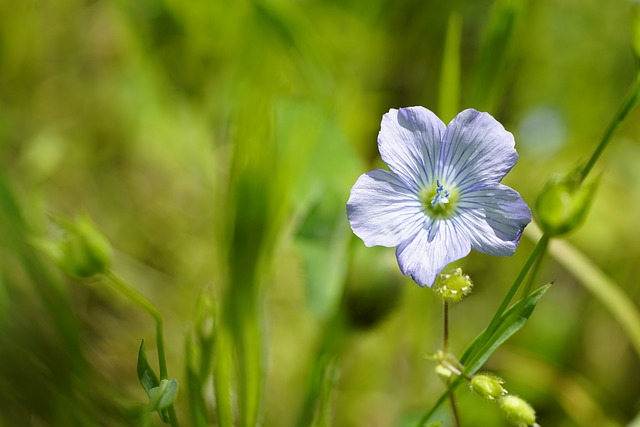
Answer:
(476, 149)
(423, 258)
(382, 211)
(408, 142)
(494, 218)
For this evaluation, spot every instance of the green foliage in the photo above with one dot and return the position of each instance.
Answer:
(215, 144)
(146, 374)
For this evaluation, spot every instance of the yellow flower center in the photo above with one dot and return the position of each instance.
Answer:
(439, 201)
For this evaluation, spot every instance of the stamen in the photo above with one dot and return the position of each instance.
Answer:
(442, 195)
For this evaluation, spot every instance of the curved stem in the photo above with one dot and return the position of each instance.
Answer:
(544, 245)
(124, 288)
(538, 251)
(626, 107)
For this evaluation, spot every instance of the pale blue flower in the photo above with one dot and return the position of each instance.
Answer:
(443, 195)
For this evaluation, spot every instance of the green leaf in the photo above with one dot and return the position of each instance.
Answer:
(498, 53)
(449, 95)
(146, 375)
(510, 322)
(150, 383)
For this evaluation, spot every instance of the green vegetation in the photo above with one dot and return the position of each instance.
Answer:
(214, 145)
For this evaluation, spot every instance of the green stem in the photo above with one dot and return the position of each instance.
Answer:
(316, 401)
(445, 350)
(128, 291)
(222, 368)
(445, 333)
(628, 104)
(538, 251)
(533, 276)
(454, 410)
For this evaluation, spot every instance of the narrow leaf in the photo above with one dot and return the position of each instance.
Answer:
(449, 99)
(510, 322)
(146, 375)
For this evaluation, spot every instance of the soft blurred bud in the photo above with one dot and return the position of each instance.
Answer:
(563, 203)
(488, 386)
(81, 251)
(453, 287)
(518, 411)
(206, 314)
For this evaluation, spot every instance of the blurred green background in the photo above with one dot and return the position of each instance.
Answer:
(214, 143)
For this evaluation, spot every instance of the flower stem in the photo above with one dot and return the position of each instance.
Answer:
(537, 253)
(454, 410)
(630, 101)
(222, 369)
(445, 334)
(124, 288)
(445, 350)
(535, 270)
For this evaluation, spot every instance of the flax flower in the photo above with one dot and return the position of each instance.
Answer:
(443, 195)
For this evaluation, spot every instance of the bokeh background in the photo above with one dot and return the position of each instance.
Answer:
(214, 143)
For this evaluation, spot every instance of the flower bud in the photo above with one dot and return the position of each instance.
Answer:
(82, 251)
(453, 287)
(518, 411)
(488, 386)
(563, 203)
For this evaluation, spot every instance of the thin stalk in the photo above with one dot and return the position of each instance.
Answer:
(454, 410)
(125, 289)
(222, 368)
(316, 400)
(445, 333)
(535, 271)
(445, 349)
(626, 107)
(538, 251)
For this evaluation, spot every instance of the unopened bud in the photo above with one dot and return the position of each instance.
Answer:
(563, 204)
(518, 411)
(488, 386)
(453, 287)
(81, 251)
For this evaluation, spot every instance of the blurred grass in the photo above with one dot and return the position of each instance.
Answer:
(215, 144)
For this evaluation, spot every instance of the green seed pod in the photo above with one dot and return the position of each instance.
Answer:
(518, 411)
(488, 386)
(82, 251)
(453, 287)
(563, 204)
